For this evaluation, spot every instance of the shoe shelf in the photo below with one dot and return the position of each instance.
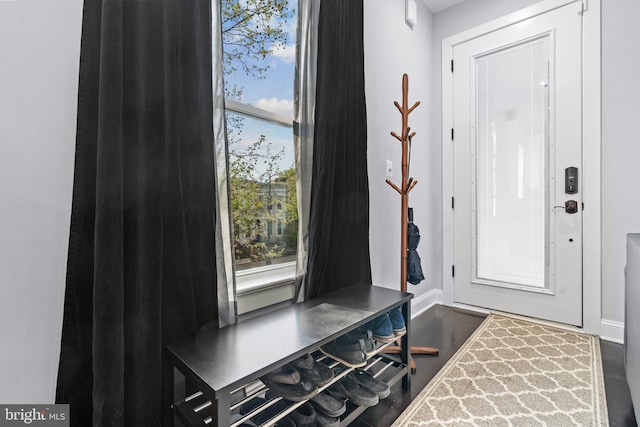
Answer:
(382, 367)
(222, 374)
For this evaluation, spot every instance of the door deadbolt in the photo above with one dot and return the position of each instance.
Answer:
(571, 180)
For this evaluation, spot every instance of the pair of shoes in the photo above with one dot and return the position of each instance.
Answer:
(367, 336)
(286, 374)
(328, 410)
(304, 415)
(388, 327)
(366, 380)
(348, 388)
(263, 415)
(323, 420)
(397, 322)
(346, 351)
(382, 329)
(328, 405)
(310, 370)
(288, 383)
(304, 390)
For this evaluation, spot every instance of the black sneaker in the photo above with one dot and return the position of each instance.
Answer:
(310, 370)
(352, 390)
(328, 404)
(367, 336)
(304, 415)
(346, 352)
(323, 420)
(285, 374)
(304, 390)
(366, 380)
(263, 415)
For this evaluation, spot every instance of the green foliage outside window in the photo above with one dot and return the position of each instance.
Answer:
(252, 31)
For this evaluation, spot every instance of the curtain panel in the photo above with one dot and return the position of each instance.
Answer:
(303, 126)
(143, 264)
(338, 253)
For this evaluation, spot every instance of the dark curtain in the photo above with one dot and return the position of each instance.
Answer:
(141, 268)
(339, 218)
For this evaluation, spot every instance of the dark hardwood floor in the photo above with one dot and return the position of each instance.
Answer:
(447, 329)
(618, 398)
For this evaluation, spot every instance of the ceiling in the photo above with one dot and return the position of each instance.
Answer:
(436, 6)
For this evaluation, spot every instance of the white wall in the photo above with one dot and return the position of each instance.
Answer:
(392, 48)
(39, 46)
(620, 146)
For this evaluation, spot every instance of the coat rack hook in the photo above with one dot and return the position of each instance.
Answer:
(395, 187)
(409, 182)
(399, 138)
(414, 107)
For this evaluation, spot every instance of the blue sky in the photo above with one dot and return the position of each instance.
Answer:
(274, 93)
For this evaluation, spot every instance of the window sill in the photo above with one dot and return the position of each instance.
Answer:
(264, 286)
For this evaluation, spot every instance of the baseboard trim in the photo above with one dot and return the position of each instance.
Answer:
(612, 331)
(424, 302)
(609, 330)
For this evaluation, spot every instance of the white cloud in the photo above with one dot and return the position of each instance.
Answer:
(286, 54)
(279, 106)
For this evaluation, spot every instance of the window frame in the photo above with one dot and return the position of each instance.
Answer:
(260, 287)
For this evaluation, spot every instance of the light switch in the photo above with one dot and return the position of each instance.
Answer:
(411, 12)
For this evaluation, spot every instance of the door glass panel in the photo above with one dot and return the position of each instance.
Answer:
(511, 163)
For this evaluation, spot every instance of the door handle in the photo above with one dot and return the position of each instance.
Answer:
(571, 206)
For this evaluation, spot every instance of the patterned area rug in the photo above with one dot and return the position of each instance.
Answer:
(511, 372)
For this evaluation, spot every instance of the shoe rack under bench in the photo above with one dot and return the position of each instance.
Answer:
(222, 368)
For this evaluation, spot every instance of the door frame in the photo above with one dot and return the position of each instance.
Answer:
(591, 131)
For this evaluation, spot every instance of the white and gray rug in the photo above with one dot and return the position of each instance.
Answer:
(512, 372)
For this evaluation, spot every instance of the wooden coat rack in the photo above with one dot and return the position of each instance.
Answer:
(405, 187)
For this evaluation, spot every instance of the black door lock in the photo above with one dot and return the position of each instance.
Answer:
(571, 180)
(571, 206)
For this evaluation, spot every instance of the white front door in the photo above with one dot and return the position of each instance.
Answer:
(517, 150)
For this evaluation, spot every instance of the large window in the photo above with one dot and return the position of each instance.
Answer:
(259, 59)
